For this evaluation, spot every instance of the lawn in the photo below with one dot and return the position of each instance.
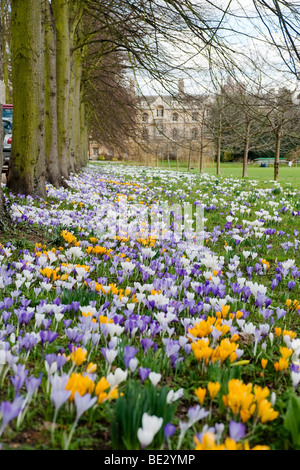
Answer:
(145, 308)
(234, 170)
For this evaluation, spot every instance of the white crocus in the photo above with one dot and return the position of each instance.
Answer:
(154, 378)
(114, 379)
(174, 396)
(150, 426)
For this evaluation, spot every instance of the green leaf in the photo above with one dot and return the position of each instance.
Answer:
(292, 419)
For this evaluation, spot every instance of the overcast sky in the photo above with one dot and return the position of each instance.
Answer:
(250, 43)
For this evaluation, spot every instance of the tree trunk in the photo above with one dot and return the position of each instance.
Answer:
(1, 127)
(201, 160)
(246, 149)
(190, 158)
(84, 137)
(219, 138)
(60, 10)
(219, 143)
(53, 173)
(75, 83)
(201, 150)
(74, 112)
(5, 35)
(27, 167)
(277, 154)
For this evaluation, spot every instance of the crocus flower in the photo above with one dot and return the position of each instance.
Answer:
(154, 378)
(144, 373)
(83, 403)
(150, 426)
(129, 353)
(237, 430)
(9, 411)
(169, 430)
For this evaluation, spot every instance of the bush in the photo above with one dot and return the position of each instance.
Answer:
(228, 156)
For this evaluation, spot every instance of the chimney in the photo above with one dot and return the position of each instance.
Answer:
(181, 86)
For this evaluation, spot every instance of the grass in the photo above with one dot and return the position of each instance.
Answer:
(234, 170)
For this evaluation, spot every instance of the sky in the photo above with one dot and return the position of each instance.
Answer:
(250, 42)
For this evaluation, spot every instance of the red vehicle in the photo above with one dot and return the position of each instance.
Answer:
(7, 111)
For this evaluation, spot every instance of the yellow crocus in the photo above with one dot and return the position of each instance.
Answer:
(277, 331)
(78, 356)
(266, 412)
(79, 383)
(213, 389)
(200, 394)
(264, 363)
(91, 368)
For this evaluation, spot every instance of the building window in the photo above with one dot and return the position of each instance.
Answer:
(95, 151)
(145, 117)
(195, 116)
(159, 130)
(175, 117)
(194, 133)
(160, 111)
(145, 134)
(175, 134)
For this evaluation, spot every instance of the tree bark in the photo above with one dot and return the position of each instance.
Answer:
(84, 137)
(201, 149)
(53, 173)
(1, 127)
(74, 112)
(75, 26)
(246, 149)
(27, 167)
(190, 157)
(60, 10)
(5, 39)
(277, 154)
(219, 143)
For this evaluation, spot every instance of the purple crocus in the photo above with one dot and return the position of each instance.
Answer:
(169, 430)
(129, 353)
(291, 285)
(146, 343)
(32, 383)
(280, 312)
(9, 411)
(144, 373)
(237, 431)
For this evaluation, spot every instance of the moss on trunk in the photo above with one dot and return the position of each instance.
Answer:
(53, 173)
(27, 169)
(61, 17)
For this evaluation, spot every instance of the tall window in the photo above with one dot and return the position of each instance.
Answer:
(195, 116)
(145, 134)
(159, 130)
(145, 117)
(175, 134)
(175, 117)
(160, 111)
(194, 133)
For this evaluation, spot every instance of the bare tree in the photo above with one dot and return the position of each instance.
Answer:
(284, 120)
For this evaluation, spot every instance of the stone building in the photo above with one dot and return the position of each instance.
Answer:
(173, 128)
